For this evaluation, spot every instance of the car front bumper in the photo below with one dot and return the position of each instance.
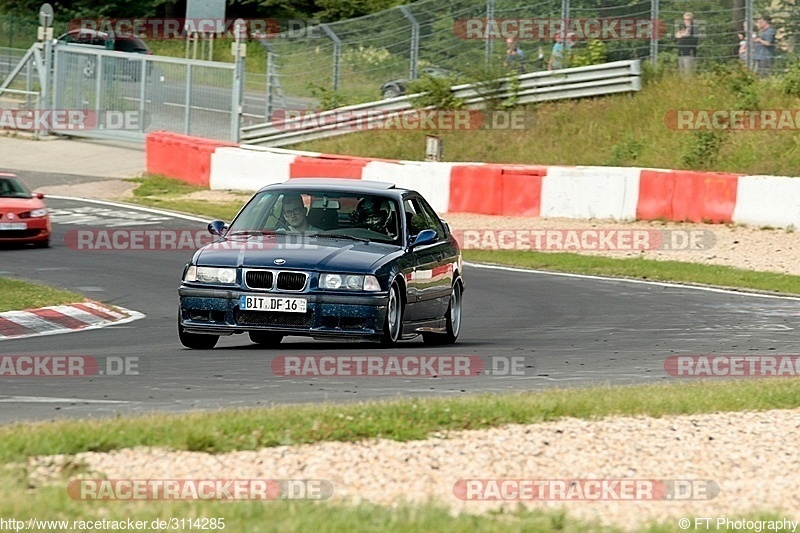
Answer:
(38, 230)
(216, 312)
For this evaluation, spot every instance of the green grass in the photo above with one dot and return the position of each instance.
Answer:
(18, 295)
(638, 268)
(619, 130)
(401, 420)
(167, 193)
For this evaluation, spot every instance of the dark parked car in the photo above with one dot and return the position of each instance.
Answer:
(23, 216)
(129, 44)
(398, 87)
(325, 258)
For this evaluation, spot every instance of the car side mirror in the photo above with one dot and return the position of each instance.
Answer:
(39, 195)
(216, 227)
(425, 236)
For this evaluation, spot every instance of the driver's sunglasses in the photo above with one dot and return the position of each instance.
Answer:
(294, 212)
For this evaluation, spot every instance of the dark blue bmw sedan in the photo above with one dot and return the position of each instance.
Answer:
(325, 258)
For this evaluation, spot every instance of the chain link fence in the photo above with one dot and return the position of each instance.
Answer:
(355, 57)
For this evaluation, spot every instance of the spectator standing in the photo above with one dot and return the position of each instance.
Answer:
(561, 50)
(743, 43)
(764, 46)
(687, 44)
(514, 56)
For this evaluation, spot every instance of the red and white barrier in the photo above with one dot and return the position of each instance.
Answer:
(621, 193)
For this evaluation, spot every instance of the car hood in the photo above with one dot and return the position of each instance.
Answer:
(312, 254)
(18, 205)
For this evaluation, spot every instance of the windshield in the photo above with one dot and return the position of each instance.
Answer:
(12, 188)
(321, 214)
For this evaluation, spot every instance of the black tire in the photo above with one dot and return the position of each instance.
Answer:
(393, 324)
(265, 339)
(42, 244)
(453, 316)
(391, 92)
(196, 341)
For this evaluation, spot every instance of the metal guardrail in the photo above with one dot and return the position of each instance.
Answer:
(593, 80)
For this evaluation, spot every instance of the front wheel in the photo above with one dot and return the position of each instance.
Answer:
(453, 325)
(393, 325)
(196, 341)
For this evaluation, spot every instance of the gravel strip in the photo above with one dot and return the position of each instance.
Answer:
(768, 250)
(754, 457)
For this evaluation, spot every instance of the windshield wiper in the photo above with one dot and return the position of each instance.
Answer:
(252, 232)
(338, 236)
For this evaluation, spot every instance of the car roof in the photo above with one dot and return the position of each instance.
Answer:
(336, 184)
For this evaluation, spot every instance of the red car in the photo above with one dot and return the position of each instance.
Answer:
(23, 216)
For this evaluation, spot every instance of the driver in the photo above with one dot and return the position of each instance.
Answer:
(294, 213)
(374, 215)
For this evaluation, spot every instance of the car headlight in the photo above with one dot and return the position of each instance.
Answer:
(210, 275)
(38, 213)
(349, 282)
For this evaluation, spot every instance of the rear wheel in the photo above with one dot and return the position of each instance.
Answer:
(393, 325)
(196, 341)
(453, 316)
(391, 92)
(266, 339)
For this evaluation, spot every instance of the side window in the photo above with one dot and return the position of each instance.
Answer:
(432, 218)
(420, 216)
(413, 221)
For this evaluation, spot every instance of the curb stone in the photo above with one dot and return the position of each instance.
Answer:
(63, 319)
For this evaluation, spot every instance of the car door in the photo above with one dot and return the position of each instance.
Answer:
(432, 273)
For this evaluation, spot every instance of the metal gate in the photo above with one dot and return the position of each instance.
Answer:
(124, 96)
(128, 95)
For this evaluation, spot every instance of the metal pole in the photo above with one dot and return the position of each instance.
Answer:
(268, 97)
(239, 48)
(236, 109)
(489, 43)
(748, 18)
(565, 17)
(48, 75)
(98, 85)
(28, 85)
(142, 95)
(654, 32)
(337, 45)
(412, 71)
(187, 100)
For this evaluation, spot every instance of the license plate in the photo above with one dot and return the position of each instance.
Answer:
(13, 225)
(272, 303)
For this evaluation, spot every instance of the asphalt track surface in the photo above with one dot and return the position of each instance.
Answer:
(570, 330)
